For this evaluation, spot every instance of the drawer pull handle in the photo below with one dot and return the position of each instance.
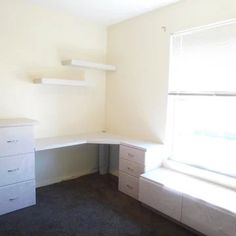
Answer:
(128, 186)
(13, 199)
(130, 169)
(130, 155)
(13, 170)
(12, 141)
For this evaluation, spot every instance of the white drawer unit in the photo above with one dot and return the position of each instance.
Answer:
(131, 168)
(16, 140)
(160, 198)
(201, 205)
(14, 169)
(17, 196)
(132, 154)
(207, 219)
(128, 184)
(17, 165)
(131, 165)
(134, 161)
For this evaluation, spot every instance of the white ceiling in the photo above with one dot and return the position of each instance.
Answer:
(105, 12)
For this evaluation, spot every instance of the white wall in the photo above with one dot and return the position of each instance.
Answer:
(33, 42)
(137, 92)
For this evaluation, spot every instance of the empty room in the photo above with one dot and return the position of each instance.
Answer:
(117, 117)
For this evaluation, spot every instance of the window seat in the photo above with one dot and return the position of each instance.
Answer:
(206, 207)
(208, 192)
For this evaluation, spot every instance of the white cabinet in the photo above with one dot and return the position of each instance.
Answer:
(131, 165)
(19, 168)
(17, 171)
(128, 184)
(131, 168)
(17, 196)
(132, 154)
(160, 198)
(189, 201)
(134, 161)
(16, 140)
(207, 219)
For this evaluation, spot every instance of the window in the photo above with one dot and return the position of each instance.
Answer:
(202, 98)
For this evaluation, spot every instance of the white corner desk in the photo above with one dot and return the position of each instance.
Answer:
(17, 159)
(103, 140)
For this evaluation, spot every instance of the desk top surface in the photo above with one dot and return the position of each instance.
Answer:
(97, 138)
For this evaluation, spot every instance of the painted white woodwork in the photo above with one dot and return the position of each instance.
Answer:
(17, 164)
(15, 169)
(64, 82)
(136, 156)
(16, 140)
(17, 196)
(207, 219)
(132, 154)
(130, 167)
(128, 184)
(134, 161)
(161, 198)
(17, 122)
(217, 195)
(96, 138)
(89, 65)
(206, 207)
(58, 142)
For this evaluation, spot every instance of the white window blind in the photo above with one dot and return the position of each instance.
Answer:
(202, 98)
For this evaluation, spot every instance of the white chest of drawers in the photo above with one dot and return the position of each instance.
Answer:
(134, 161)
(17, 171)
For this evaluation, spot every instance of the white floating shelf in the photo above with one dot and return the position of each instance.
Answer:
(89, 65)
(65, 82)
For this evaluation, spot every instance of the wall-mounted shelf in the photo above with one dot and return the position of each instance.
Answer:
(89, 65)
(65, 82)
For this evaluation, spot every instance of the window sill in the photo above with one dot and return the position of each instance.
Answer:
(204, 175)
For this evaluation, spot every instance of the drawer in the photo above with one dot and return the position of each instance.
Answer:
(131, 168)
(206, 219)
(132, 154)
(14, 169)
(128, 184)
(163, 199)
(17, 196)
(16, 140)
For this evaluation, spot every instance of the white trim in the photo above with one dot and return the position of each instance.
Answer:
(202, 28)
(64, 82)
(88, 65)
(220, 179)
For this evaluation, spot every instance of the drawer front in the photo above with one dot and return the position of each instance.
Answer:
(132, 154)
(131, 168)
(14, 169)
(128, 184)
(16, 140)
(206, 219)
(17, 196)
(160, 198)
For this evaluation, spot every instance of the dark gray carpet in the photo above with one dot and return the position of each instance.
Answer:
(90, 205)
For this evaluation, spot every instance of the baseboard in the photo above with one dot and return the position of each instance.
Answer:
(115, 173)
(64, 178)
